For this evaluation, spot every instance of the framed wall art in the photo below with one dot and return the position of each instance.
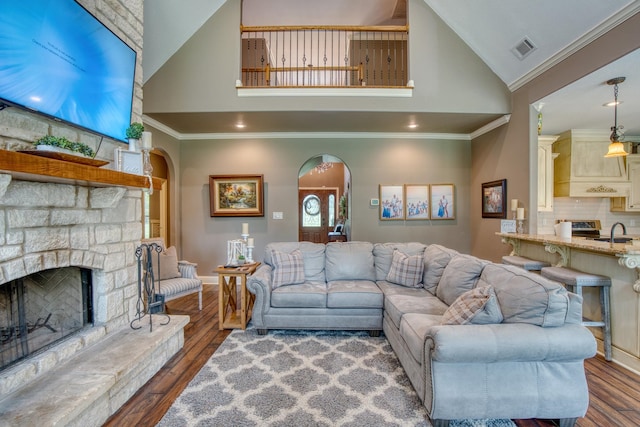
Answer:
(236, 195)
(416, 204)
(443, 201)
(494, 199)
(391, 202)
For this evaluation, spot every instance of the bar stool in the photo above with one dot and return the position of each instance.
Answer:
(525, 263)
(576, 280)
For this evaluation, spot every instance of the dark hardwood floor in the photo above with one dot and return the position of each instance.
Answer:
(614, 391)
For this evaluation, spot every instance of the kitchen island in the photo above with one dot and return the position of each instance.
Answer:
(619, 261)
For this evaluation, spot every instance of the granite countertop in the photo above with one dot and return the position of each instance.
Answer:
(579, 243)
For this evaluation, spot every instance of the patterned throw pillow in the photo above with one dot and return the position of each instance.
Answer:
(478, 306)
(288, 268)
(406, 270)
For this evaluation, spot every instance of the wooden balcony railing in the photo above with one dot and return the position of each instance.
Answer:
(324, 56)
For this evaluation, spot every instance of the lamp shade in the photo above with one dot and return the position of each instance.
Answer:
(616, 149)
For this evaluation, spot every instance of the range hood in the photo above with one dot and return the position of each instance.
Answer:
(581, 170)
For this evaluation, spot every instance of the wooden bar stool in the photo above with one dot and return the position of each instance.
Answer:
(525, 263)
(575, 280)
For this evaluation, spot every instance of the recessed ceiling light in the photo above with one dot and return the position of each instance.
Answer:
(413, 126)
(240, 125)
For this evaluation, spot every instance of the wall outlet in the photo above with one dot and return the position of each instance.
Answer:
(278, 215)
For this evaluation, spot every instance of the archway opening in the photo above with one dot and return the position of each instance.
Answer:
(324, 194)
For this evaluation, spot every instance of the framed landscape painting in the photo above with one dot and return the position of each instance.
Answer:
(443, 201)
(236, 195)
(494, 199)
(391, 202)
(416, 201)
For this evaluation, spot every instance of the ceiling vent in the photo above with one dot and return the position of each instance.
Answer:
(524, 48)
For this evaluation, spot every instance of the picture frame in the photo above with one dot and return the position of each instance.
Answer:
(443, 204)
(391, 202)
(236, 195)
(494, 199)
(417, 202)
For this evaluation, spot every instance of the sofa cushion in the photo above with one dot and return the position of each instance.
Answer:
(306, 295)
(526, 297)
(288, 268)
(349, 261)
(354, 294)
(460, 275)
(168, 260)
(436, 258)
(478, 306)
(413, 330)
(383, 255)
(312, 255)
(398, 304)
(406, 270)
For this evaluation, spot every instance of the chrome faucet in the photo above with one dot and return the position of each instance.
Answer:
(624, 230)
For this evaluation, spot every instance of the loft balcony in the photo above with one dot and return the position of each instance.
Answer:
(324, 57)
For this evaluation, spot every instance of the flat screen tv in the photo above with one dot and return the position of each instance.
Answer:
(57, 59)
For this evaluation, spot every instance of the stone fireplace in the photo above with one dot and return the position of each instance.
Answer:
(49, 230)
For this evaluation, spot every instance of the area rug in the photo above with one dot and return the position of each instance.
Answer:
(303, 378)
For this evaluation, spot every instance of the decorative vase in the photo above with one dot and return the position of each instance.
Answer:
(133, 144)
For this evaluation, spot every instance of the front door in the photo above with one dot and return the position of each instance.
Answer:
(317, 214)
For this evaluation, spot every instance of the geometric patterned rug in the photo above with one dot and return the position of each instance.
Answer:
(303, 378)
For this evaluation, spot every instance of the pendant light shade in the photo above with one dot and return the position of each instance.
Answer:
(616, 148)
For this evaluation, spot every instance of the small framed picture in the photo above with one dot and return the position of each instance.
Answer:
(494, 199)
(443, 204)
(236, 195)
(391, 202)
(416, 204)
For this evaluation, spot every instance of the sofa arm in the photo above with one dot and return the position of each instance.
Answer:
(508, 342)
(187, 269)
(259, 284)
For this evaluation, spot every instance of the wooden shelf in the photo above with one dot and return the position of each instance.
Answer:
(42, 169)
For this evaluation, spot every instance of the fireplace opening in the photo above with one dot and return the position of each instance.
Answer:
(38, 310)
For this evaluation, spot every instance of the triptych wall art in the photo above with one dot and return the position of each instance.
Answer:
(417, 202)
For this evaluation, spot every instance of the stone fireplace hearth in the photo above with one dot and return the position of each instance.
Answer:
(49, 225)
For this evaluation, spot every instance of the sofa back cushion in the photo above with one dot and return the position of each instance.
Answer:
(383, 255)
(312, 256)
(460, 275)
(349, 261)
(436, 258)
(528, 298)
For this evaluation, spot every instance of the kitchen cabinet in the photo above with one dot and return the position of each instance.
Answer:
(545, 172)
(632, 202)
(581, 170)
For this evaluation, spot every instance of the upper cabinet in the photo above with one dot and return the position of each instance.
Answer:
(581, 170)
(545, 172)
(632, 202)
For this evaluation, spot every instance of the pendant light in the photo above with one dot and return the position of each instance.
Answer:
(616, 148)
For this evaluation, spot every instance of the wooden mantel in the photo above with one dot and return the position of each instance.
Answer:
(35, 168)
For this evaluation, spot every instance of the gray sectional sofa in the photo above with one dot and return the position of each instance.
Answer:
(476, 339)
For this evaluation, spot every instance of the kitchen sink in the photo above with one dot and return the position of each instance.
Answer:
(615, 239)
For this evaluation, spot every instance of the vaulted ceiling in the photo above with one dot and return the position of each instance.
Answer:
(493, 29)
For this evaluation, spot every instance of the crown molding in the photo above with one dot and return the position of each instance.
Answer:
(490, 126)
(615, 20)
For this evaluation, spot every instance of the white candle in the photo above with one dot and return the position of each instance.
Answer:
(146, 141)
(245, 228)
(250, 242)
(520, 213)
(514, 204)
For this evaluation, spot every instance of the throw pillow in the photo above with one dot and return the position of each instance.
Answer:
(168, 264)
(288, 268)
(478, 306)
(406, 270)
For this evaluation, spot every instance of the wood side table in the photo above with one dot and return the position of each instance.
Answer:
(231, 314)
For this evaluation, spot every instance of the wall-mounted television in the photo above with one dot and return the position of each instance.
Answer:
(57, 59)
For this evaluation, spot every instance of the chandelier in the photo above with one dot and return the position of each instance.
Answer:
(616, 148)
(323, 167)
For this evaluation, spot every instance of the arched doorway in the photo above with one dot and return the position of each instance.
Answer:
(156, 205)
(324, 187)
